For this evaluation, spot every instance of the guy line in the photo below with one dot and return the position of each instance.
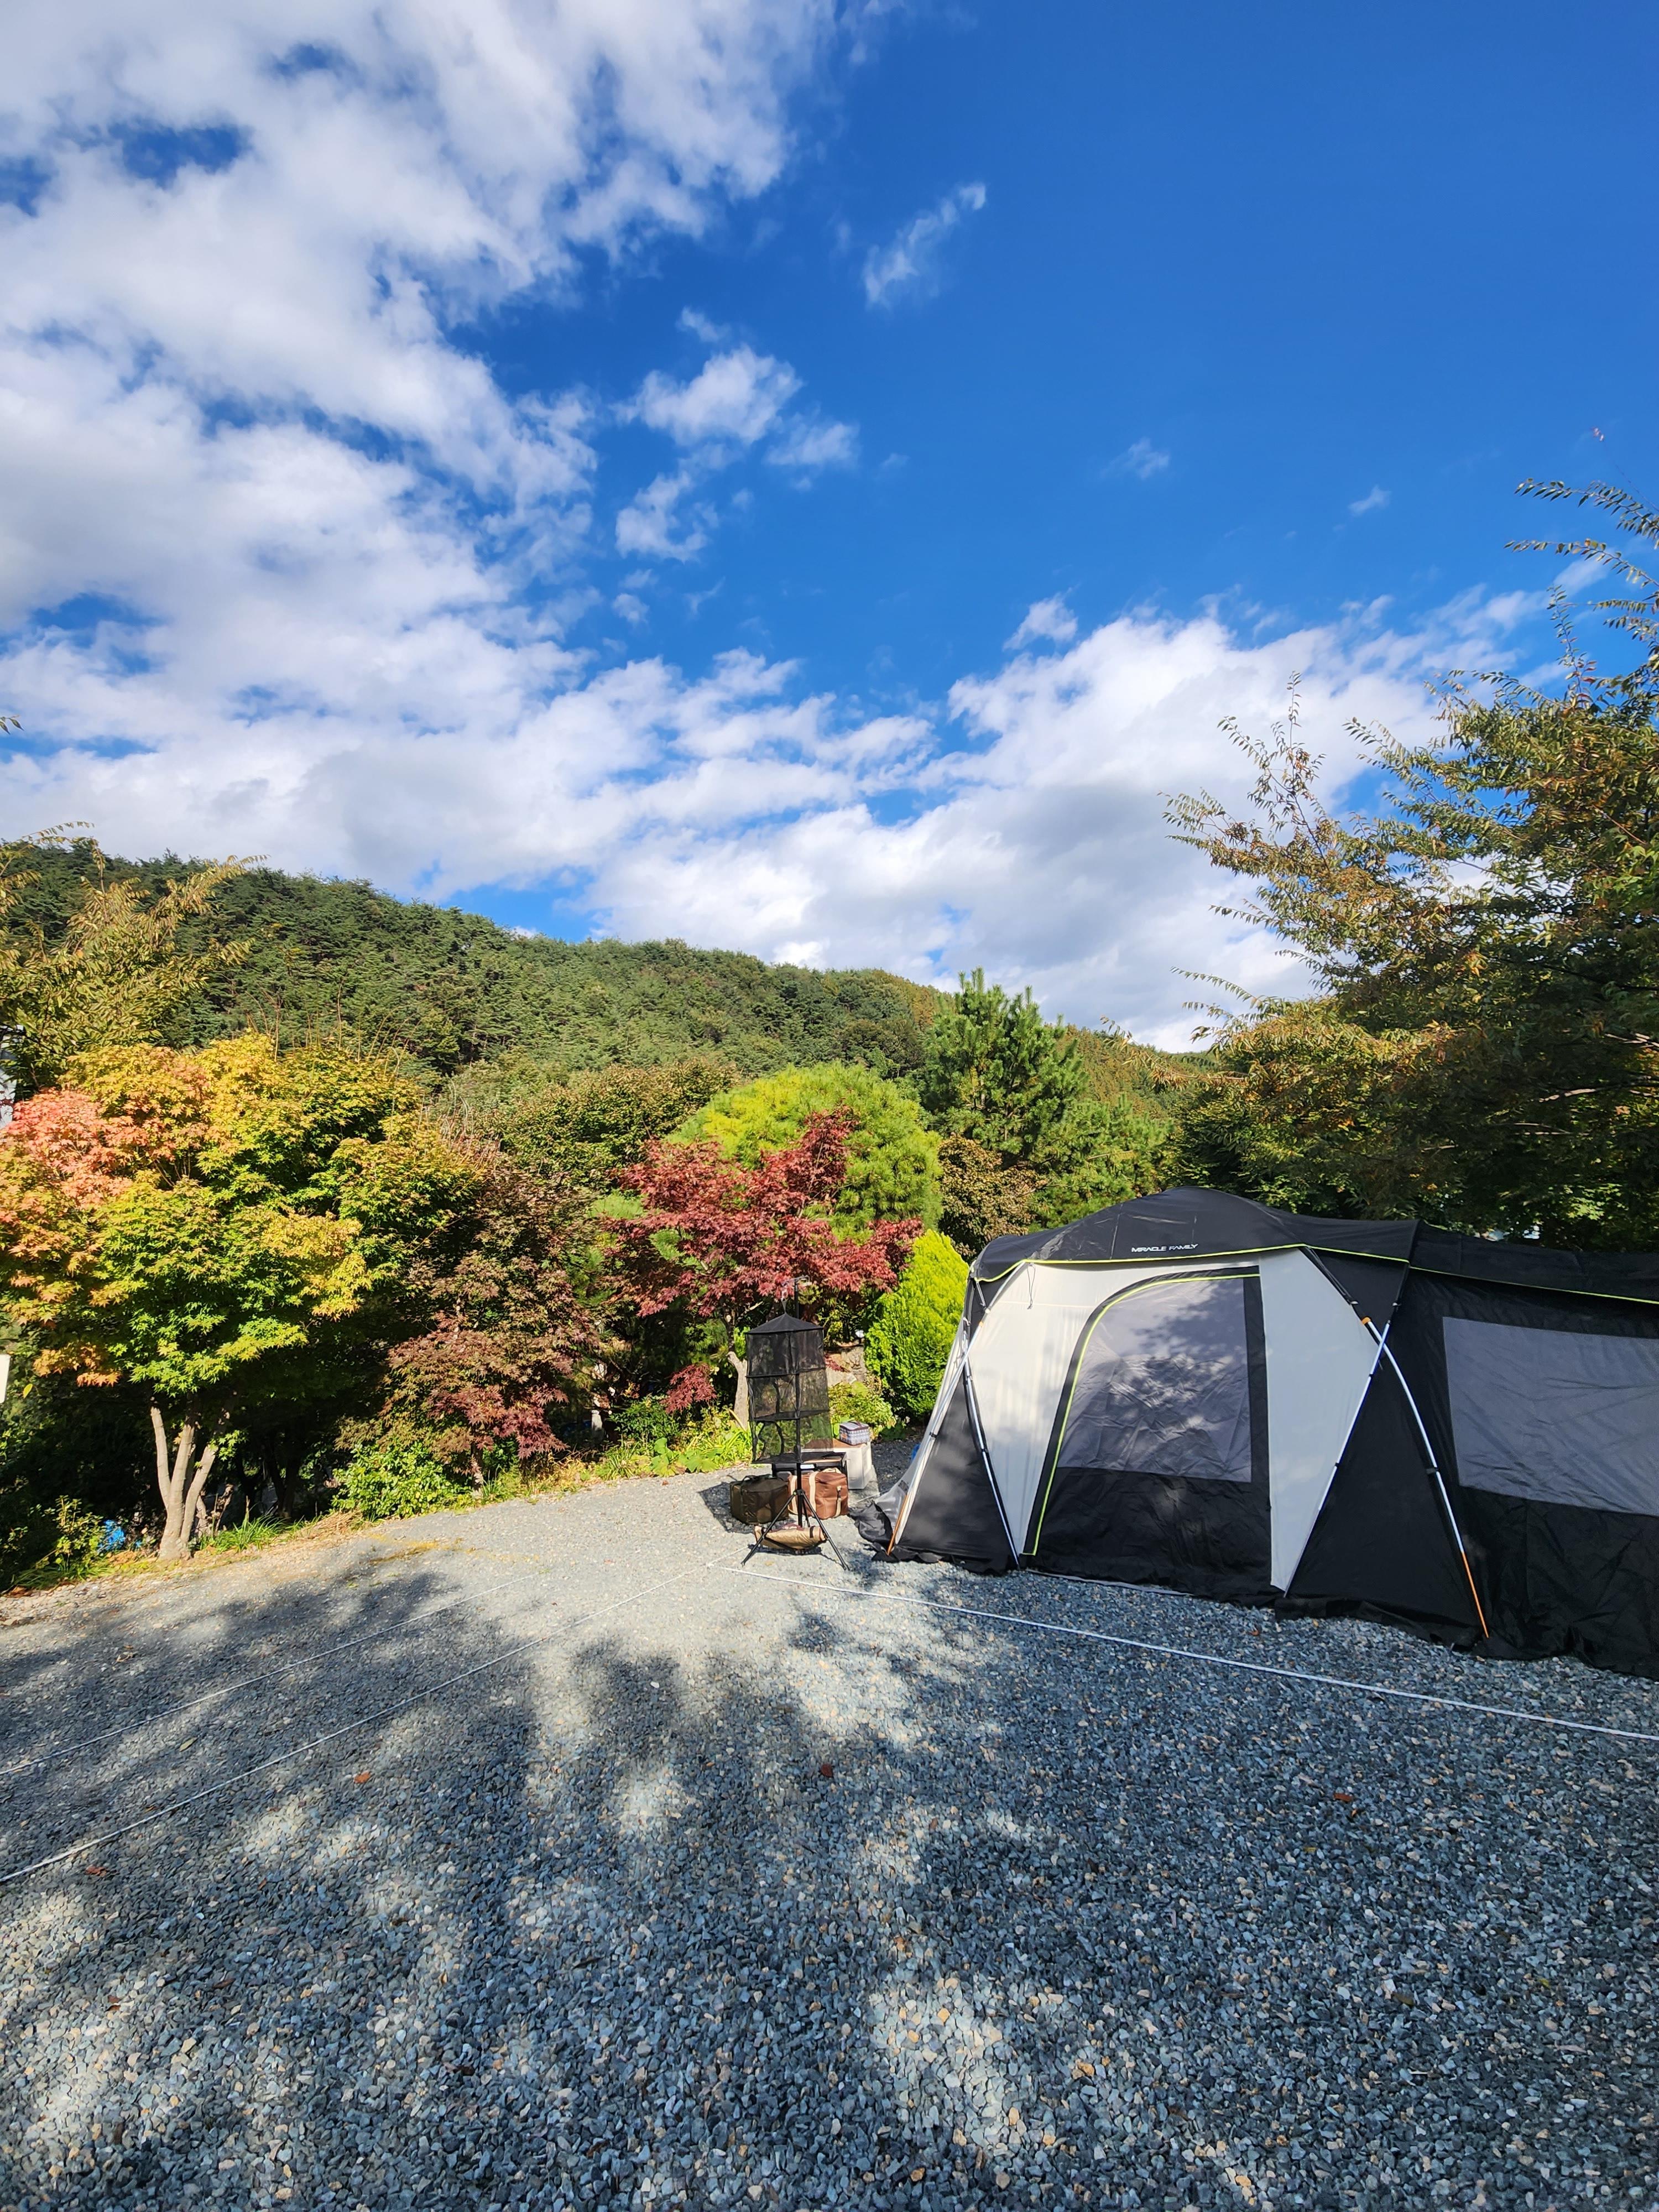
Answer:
(1204, 1658)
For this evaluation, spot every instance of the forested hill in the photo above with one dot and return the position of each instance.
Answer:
(452, 988)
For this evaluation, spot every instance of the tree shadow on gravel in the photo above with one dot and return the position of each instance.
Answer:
(144, 1711)
(594, 1926)
(716, 1498)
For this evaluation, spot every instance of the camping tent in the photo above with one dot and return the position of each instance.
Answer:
(1364, 1417)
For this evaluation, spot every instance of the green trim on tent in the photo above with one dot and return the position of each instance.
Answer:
(1261, 1251)
(1163, 1259)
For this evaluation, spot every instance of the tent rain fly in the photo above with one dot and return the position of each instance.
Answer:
(1341, 1417)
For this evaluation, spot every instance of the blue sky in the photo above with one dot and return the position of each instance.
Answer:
(802, 479)
(1297, 255)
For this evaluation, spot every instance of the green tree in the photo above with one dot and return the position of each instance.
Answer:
(997, 1072)
(1484, 1045)
(219, 1229)
(1028, 1142)
(909, 1340)
(982, 1196)
(588, 1125)
(455, 991)
(116, 974)
(1105, 1151)
(892, 1158)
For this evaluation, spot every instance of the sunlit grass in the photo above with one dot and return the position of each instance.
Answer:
(246, 1535)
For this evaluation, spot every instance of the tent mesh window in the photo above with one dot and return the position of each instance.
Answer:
(788, 1388)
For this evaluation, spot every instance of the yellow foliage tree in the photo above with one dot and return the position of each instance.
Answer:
(217, 1227)
(117, 976)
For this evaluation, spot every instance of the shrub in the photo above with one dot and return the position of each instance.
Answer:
(647, 1421)
(48, 1543)
(853, 1401)
(892, 1158)
(395, 1478)
(909, 1340)
(714, 1441)
(654, 1436)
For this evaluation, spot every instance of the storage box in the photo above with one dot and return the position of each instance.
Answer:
(855, 1432)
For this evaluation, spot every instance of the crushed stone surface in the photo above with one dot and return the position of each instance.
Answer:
(571, 1854)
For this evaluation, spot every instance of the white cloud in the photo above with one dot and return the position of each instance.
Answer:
(1046, 619)
(808, 446)
(1026, 835)
(911, 264)
(1142, 460)
(233, 404)
(1375, 497)
(649, 523)
(700, 326)
(1039, 849)
(736, 398)
(401, 165)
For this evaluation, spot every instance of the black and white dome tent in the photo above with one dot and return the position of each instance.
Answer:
(1370, 1417)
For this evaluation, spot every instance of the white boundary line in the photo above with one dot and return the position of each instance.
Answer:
(350, 1727)
(1204, 1658)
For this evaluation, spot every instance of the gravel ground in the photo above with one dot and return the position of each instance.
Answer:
(644, 1872)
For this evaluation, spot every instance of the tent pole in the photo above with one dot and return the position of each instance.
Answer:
(1384, 1347)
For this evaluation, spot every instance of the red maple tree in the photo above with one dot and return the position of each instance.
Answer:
(511, 1343)
(729, 1241)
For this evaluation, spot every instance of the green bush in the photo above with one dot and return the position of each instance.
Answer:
(909, 1340)
(394, 1478)
(711, 1441)
(892, 1158)
(48, 1543)
(714, 1440)
(853, 1402)
(647, 1421)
